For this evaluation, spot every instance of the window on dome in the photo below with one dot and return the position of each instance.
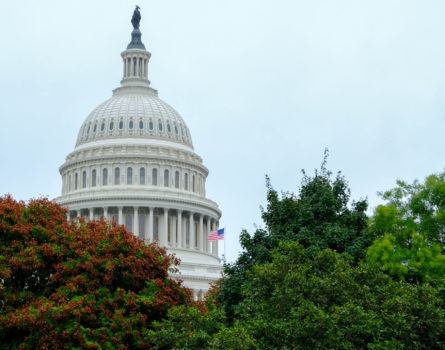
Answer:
(186, 181)
(105, 177)
(160, 125)
(154, 177)
(117, 176)
(141, 124)
(193, 183)
(176, 179)
(129, 176)
(111, 125)
(169, 129)
(142, 176)
(176, 130)
(166, 178)
(76, 181)
(84, 179)
(121, 125)
(102, 127)
(93, 178)
(95, 128)
(150, 125)
(88, 131)
(130, 125)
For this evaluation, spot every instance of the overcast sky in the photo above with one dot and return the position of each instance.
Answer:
(264, 87)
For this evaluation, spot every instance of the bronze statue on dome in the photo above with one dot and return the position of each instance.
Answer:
(136, 19)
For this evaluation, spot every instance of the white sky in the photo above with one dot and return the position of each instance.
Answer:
(263, 86)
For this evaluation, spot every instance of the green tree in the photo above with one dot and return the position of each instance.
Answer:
(67, 285)
(412, 226)
(319, 217)
(302, 301)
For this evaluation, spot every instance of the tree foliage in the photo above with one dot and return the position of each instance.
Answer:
(412, 226)
(300, 301)
(67, 285)
(319, 217)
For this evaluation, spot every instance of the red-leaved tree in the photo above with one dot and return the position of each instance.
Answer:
(67, 285)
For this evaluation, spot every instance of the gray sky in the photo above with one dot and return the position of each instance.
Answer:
(263, 86)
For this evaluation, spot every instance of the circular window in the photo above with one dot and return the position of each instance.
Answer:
(130, 125)
(150, 125)
(102, 127)
(121, 125)
(111, 126)
(95, 128)
(141, 124)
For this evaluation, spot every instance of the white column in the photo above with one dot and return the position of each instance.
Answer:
(174, 242)
(120, 217)
(91, 214)
(207, 243)
(164, 233)
(180, 240)
(106, 213)
(150, 225)
(136, 221)
(201, 233)
(68, 215)
(214, 243)
(192, 232)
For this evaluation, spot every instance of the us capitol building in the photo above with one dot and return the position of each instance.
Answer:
(134, 163)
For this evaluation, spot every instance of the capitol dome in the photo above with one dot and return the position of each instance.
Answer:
(141, 115)
(134, 163)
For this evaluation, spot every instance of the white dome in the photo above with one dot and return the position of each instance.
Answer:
(140, 114)
(134, 164)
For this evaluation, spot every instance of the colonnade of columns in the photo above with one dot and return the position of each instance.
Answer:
(135, 66)
(169, 227)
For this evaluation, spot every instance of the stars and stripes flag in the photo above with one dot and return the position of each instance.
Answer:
(216, 235)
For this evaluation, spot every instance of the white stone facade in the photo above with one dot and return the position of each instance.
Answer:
(134, 163)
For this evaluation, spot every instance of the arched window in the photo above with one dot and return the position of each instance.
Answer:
(142, 176)
(150, 125)
(193, 183)
(95, 128)
(93, 178)
(130, 125)
(129, 175)
(84, 179)
(76, 181)
(105, 177)
(111, 125)
(117, 176)
(88, 130)
(169, 129)
(121, 125)
(160, 125)
(141, 124)
(166, 178)
(186, 181)
(176, 129)
(176, 179)
(102, 126)
(154, 177)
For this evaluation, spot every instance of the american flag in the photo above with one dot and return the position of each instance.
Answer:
(216, 235)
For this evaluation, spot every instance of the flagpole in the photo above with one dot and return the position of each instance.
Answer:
(225, 242)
